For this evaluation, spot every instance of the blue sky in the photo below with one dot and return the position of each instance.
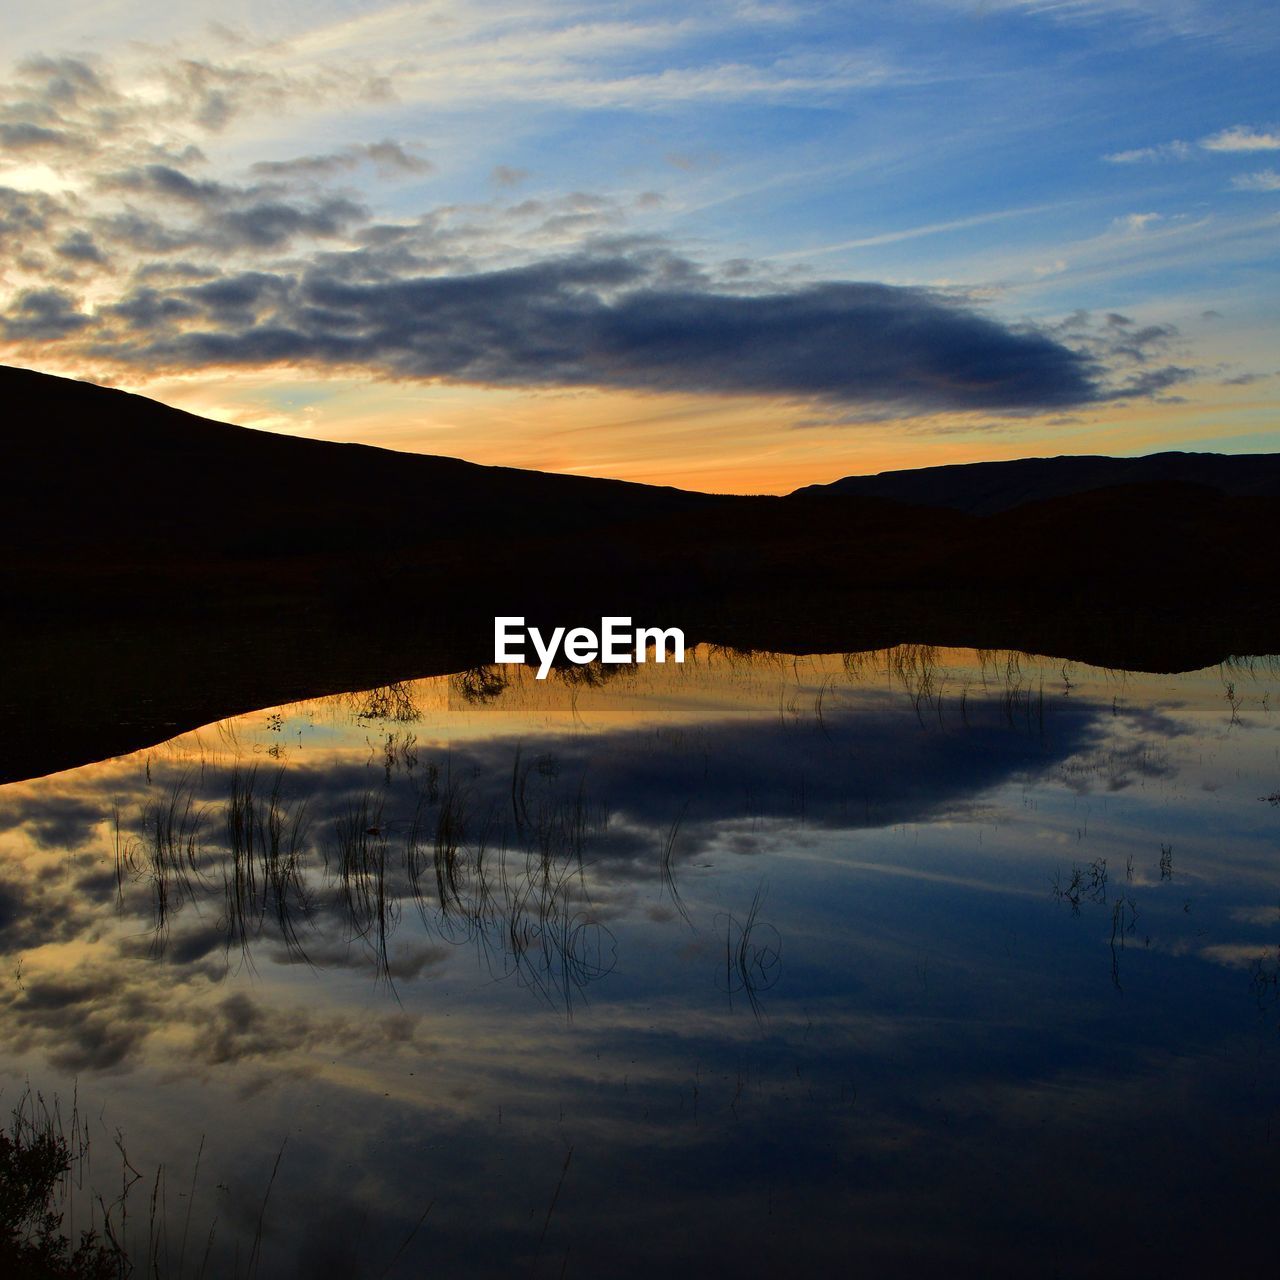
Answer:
(752, 247)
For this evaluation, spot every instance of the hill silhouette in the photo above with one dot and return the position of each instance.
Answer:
(163, 570)
(986, 488)
(139, 477)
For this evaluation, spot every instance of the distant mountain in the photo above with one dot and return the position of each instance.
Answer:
(985, 488)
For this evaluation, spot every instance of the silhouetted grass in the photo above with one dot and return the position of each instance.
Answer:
(170, 843)
(753, 954)
(266, 842)
(665, 869)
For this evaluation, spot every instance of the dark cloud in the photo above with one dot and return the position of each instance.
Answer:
(1120, 336)
(406, 960)
(44, 314)
(55, 993)
(226, 223)
(171, 270)
(1119, 344)
(1151, 381)
(389, 158)
(82, 1020)
(26, 213)
(149, 309)
(271, 224)
(183, 946)
(142, 234)
(1139, 344)
(27, 137)
(55, 820)
(319, 166)
(65, 81)
(865, 765)
(80, 247)
(168, 182)
(236, 295)
(614, 321)
(35, 914)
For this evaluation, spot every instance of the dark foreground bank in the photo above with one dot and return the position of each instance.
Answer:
(164, 570)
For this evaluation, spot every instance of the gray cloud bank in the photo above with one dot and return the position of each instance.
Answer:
(188, 271)
(598, 321)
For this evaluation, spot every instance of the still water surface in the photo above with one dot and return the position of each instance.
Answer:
(953, 962)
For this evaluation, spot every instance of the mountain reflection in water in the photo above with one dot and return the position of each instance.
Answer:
(957, 962)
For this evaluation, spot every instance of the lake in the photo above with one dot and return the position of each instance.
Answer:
(939, 961)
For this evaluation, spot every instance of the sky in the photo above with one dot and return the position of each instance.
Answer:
(736, 247)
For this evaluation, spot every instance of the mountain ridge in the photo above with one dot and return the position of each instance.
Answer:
(989, 488)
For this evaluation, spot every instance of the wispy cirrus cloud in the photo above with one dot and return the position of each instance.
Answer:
(648, 56)
(1235, 139)
(1176, 150)
(1242, 137)
(1229, 20)
(1262, 180)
